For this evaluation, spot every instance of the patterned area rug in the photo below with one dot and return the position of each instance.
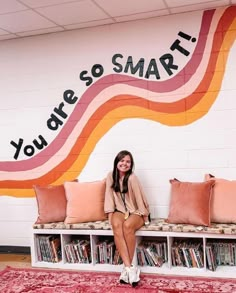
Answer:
(18, 280)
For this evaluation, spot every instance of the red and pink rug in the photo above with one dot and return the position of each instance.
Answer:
(14, 280)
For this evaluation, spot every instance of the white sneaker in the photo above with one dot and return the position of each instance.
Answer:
(134, 278)
(124, 276)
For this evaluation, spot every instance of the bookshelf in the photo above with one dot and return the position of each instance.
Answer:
(169, 240)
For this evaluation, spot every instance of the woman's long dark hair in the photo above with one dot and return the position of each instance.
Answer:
(115, 173)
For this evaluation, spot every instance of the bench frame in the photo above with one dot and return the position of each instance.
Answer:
(155, 230)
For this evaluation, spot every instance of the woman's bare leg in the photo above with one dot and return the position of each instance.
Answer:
(117, 222)
(130, 226)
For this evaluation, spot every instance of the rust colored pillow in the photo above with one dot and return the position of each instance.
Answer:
(85, 201)
(51, 203)
(190, 202)
(223, 200)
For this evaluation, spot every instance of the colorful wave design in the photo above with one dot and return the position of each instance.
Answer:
(104, 104)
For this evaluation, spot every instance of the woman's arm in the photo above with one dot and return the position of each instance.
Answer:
(109, 204)
(139, 196)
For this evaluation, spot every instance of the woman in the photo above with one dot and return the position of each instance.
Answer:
(127, 209)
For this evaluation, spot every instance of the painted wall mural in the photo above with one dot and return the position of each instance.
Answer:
(109, 98)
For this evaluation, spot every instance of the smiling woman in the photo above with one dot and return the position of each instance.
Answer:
(127, 209)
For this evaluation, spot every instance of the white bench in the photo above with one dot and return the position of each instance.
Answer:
(158, 228)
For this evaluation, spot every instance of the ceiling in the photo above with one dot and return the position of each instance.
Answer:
(21, 18)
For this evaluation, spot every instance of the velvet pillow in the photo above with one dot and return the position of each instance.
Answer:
(190, 202)
(85, 201)
(51, 203)
(223, 200)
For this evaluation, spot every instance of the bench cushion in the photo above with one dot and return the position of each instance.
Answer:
(156, 225)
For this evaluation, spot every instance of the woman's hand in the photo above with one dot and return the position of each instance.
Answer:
(146, 220)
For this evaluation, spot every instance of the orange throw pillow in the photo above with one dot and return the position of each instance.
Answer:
(190, 202)
(85, 201)
(51, 203)
(223, 200)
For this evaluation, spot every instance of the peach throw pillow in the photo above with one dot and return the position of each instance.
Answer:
(190, 202)
(51, 203)
(85, 201)
(223, 200)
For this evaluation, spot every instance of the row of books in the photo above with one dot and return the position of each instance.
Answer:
(48, 248)
(78, 251)
(187, 254)
(106, 253)
(184, 252)
(152, 253)
(220, 252)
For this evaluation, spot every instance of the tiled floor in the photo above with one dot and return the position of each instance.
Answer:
(15, 260)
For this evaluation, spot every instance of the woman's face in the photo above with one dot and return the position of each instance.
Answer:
(124, 164)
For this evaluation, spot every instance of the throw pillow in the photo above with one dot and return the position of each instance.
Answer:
(51, 202)
(223, 200)
(85, 201)
(190, 202)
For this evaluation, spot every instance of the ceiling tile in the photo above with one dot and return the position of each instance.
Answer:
(200, 6)
(41, 32)
(17, 17)
(41, 3)
(24, 20)
(142, 15)
(2, 32)
(177, 3)
(8, 37)
(72, 13)
(11, 6)
(114, 7)
(89, 24)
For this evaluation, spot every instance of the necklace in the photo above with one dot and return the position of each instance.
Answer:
(122, 194)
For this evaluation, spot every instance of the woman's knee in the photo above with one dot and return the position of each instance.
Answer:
(116, 225)
(118, 231)
(132, 224)
(128, 228)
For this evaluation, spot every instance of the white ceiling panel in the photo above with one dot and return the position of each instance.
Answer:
(20, 18)
(89, 24)
(145, 15)
(41, 31)
(176, 3)
(42, 3)
(115, 8)
(7, 37)
(2, 32)
(23, 21)
(74, 12)
(199, 6)
(11, 6)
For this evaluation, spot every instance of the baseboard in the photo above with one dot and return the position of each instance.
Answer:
(15, 249)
